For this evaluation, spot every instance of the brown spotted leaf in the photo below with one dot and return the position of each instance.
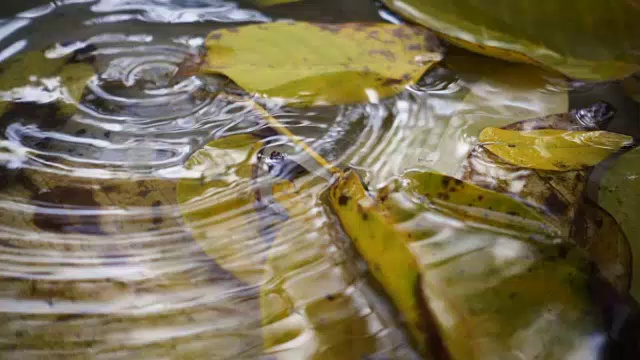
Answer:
(560, 195)
(307, 63)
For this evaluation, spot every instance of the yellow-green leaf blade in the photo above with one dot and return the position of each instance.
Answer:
(551, 149)
(321, 63)
(385, 248)
(589, 40)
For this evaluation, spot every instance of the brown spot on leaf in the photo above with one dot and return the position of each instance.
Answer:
(555, 204)
(391, 82)
(387, 54)
(343, 200)
(332, 28)
(401, 33)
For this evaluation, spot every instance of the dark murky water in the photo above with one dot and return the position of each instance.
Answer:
(96, 258)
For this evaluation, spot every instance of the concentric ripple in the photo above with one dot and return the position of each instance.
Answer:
(96, 258)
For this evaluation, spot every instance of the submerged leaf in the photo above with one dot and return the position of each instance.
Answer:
(602, 237)
(274, 2)
(539, 181)
(599, 42)
(550, 149)
(619, 193)
(482, 293)
(307, 63)
(224, 222)
(471, 201)
(34, 78)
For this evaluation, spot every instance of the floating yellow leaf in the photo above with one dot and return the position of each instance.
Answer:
(599, 42)
(551, 149)
(385, 249)
(307, 63)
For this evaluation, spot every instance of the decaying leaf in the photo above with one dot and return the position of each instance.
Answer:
(557, 190)
(551, 149)
(477, 203)
(306, 297)
(599, 43)
(481, 293)
(385, 249)
(595, 230)
(308, 64)
(34, 78)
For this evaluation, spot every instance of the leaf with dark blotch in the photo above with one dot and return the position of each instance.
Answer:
(321, 64)
(544, 185)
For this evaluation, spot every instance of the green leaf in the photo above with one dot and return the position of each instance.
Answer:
(320, 64)
(589, 40)
(619, 194)
(552, 149)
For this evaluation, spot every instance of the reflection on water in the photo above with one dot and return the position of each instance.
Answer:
(98, 259)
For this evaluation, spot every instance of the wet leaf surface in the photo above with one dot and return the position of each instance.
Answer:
(552, 149)
(487, 292)
(310, 301)
(558, 190)
(385, 249)
(596, 45)
(306, 63)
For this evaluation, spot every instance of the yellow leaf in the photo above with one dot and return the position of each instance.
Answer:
(385, 249)
(473, 202)
(482, 293)
(319, 64)
(551, 149)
